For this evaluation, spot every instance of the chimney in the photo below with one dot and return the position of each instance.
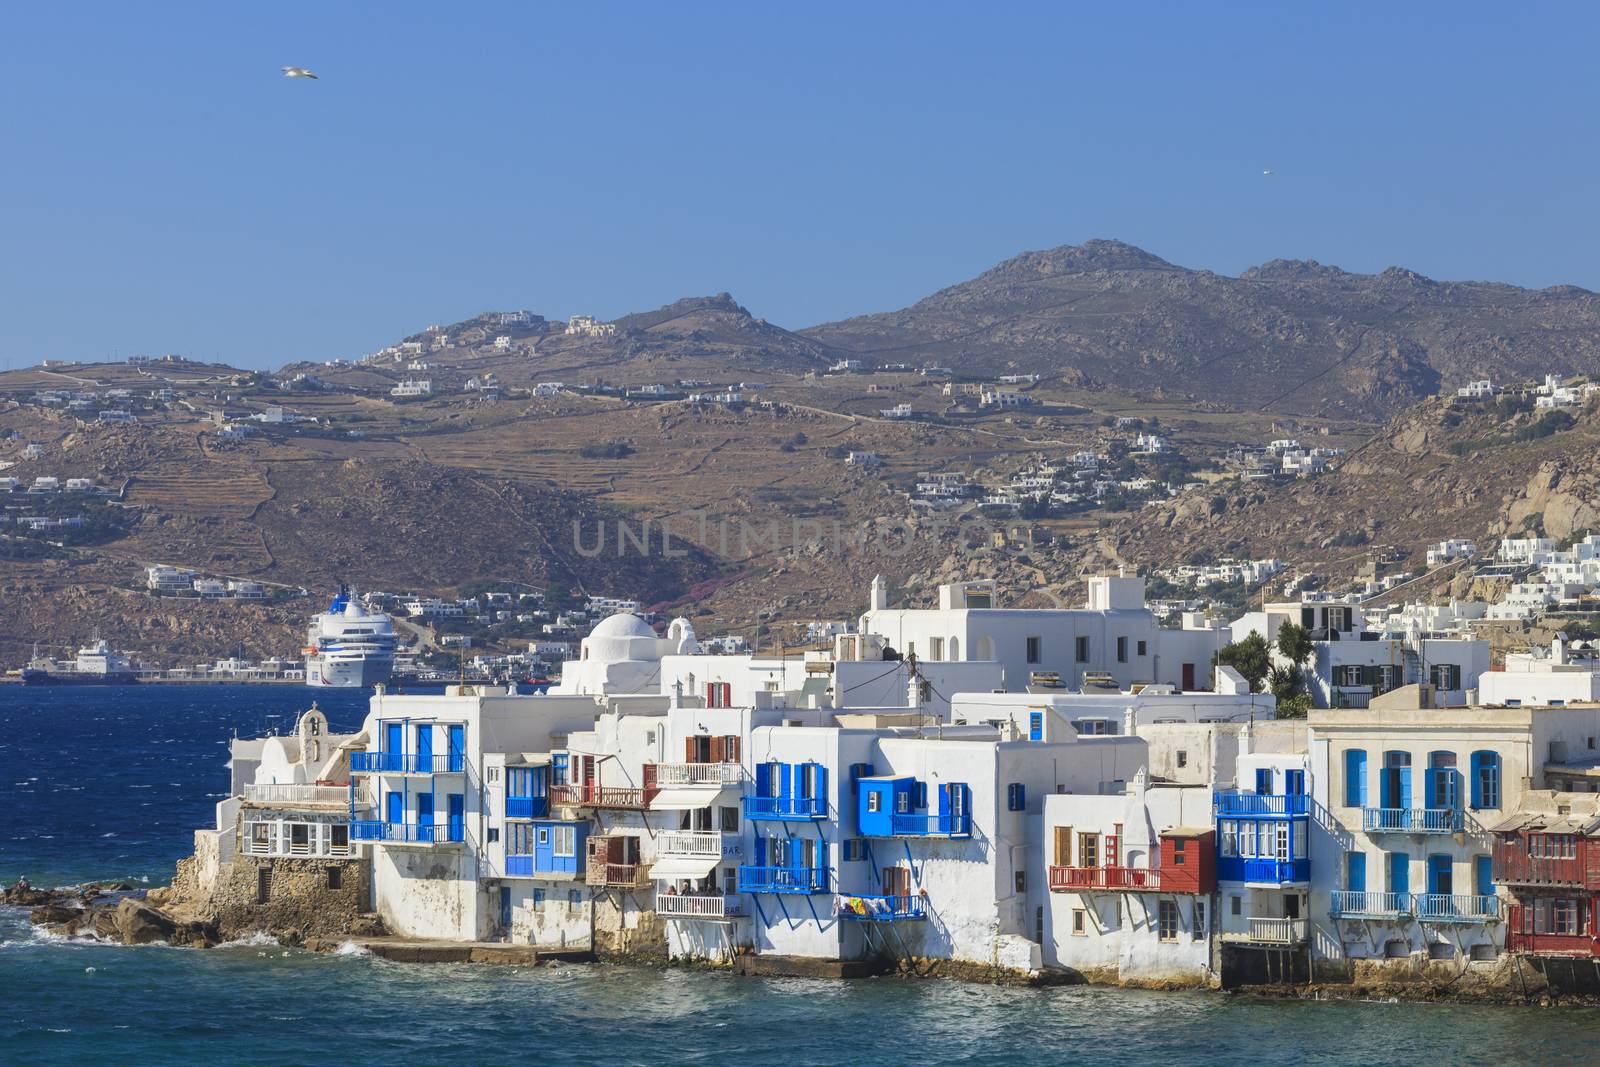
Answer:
(880, 593)
(677, 695)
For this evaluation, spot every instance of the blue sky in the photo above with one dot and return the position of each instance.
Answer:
(165, 189)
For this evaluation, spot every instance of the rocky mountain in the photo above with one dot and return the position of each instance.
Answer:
(1293, 336)
(1446, 469)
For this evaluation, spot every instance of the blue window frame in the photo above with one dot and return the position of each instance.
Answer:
(1264, 781)
(558, 768)
(1486, 779)
(1294, 783)
(1399, 872)
(859, 771)
(1016, 797)
(922, 794)
(1035, 726)
(538, 898)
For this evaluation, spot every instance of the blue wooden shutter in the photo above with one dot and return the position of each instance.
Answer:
(819, 783)
(1477, 779)
(1399, 872)
(763, 779)
(393, 739)
(1404, 799)
(1355, 778)
(1355, 872)
(1264, 781)
(1483, 876)
(785, 780)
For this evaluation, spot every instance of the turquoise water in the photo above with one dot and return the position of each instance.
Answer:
(109, 784)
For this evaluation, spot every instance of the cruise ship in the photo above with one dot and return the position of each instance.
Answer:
(97, 664)
(348, 646)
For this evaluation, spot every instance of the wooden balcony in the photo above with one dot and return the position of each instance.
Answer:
(1110, 880)
(1269, 931)
(1513, 865)
(615, 798)
(617, 875)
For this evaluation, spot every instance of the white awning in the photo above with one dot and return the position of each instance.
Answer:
(684, 867)
(687, 797)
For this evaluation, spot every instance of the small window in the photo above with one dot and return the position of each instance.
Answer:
(1016, 797)
(1180, 855)
(574, 899)
(1183, 758)
(1141, 648)
(854, 849)
(494, 774)
(1441, 950)
(538, 898)
(1167, 920)
(335, 877)
(922, 794)
(544, 835)
(1033, 650)
(1079, 921)
(1022, 881)
(1238, 904)
(1199, 920)
(1122, 650)
(1082, 649)
(902, 803)
(263, 884)
(875, 801)
(494, 834)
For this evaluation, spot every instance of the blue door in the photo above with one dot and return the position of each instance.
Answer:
(394, 739)
(1441, 880)
(1399, 873)
(424, 750)
(1264, 781)
(458, 748)
(424, 816)
(1035, 726)
(458, 816)
(1355, 872)
(505, 908)
(396, 808)
(1483, 876)
(1294, 783)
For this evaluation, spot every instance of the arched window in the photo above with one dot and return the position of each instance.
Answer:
(955, 648)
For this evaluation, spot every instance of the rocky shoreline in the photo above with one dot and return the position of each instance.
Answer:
(119, 913)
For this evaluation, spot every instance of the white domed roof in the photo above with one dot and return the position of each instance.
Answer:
(623, 624)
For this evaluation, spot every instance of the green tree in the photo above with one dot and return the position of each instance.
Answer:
(1251, 657)
(1294, 643)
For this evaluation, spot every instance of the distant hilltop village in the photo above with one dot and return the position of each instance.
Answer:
(970, 789)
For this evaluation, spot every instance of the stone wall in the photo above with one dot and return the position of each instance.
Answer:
(623, 927)
(299, 904)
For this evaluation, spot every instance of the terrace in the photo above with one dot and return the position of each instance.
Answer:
(698, 844)
(785, 808)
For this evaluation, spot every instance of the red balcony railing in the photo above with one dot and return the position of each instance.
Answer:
(622, 798)
(1120, 879)
(622, 875)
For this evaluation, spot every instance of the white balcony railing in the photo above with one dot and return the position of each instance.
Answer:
(689, 906)
(698, 843)
(282, 793)
(1272, 931)
(713, 774)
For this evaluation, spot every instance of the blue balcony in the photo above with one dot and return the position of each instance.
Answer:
(1245, 805)
(1411, 820)
(1262, 871)
(406, 763)
(1359, 904)
(785, 809)
(801, 880)
(919, 825)
(527, 807)
(880, 908)
(1455, 908)
(407, 833)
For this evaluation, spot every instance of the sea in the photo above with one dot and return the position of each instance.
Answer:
(109, 783)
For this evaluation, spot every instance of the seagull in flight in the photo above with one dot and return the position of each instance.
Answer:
(298, 72)
(1265, 173)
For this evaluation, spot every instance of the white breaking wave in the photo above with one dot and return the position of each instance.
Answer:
(350, 948)
(257, 939)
